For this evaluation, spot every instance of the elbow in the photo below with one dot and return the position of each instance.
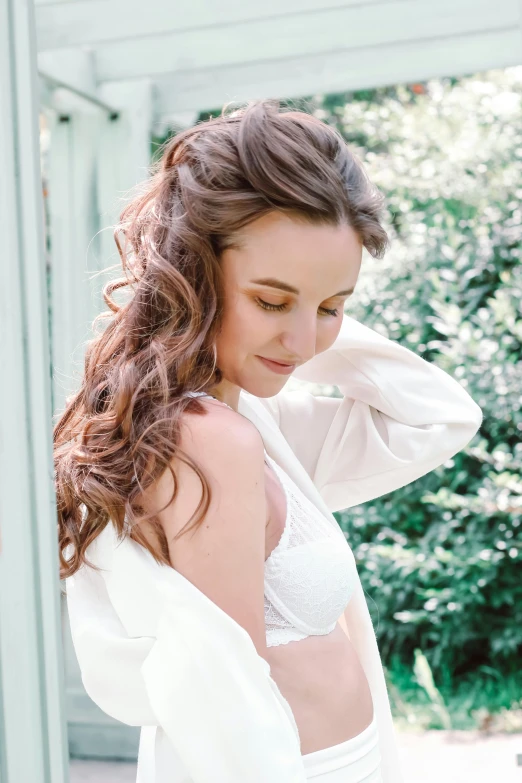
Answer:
(116, 686)
(475, 419)
(118, 705)
(465, 418)
(460, 433)
(101, 692)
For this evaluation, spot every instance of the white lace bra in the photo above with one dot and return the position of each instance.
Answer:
(310, 575)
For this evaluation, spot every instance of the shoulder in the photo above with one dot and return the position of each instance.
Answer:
(220, 433)
(220, 453)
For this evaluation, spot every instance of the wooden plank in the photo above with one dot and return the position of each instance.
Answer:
(123, 161)
(32, 729)
(52, 2)
(339, 71)
(73, 219)
(92, 21)
(73, 67)
(303, 35)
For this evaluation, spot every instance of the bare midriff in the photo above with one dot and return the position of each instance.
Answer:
(323, 681)
(321, 677)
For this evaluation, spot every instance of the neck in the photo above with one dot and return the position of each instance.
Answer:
(227, 392)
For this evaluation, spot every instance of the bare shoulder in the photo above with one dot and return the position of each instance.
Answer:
(229, 451)
(224, 446)
(220, 432)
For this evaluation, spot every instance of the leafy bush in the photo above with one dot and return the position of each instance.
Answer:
(440, 559)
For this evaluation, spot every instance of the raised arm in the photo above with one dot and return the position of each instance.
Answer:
(399, 417)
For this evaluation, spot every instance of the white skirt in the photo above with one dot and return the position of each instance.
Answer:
(358, 760)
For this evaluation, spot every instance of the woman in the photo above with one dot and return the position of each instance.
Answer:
(213, 599)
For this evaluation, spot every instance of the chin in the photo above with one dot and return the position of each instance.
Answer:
(264, 388)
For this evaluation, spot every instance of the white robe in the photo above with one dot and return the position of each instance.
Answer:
(156, 652)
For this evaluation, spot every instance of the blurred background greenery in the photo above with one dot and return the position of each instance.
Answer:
(440, 559)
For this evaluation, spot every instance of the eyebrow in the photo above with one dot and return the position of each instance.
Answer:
(273, 282)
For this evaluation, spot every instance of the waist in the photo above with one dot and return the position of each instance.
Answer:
(323, 681)
(355, 760)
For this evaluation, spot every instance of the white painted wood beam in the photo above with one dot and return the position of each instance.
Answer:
(66, 24)
(358, 45)
(72, 66)
(123, 161)
(33, 738)
(68, 81)
(350, 29)
(339, 71)
(73, 217)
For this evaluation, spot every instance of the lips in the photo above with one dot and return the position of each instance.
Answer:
(280, 368)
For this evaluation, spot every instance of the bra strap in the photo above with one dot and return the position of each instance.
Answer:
(205, 394)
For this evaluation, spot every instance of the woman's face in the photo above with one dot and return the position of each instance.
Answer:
(285, 289)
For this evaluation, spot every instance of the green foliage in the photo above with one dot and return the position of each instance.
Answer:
(486, 700)
(424, 677)
(440, 559)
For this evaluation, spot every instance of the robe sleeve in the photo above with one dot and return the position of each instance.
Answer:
(109, 659)
(199, 679)
(215, 699)
(398, 418)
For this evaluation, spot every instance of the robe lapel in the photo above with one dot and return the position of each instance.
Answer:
(279, 449)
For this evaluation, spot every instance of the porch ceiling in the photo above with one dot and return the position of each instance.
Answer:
(199, 54)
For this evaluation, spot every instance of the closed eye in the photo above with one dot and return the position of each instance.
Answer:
(281, 307)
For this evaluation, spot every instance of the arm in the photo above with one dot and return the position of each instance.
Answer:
(199, 673)
(224, 555)
(399, 417)
(229, 705)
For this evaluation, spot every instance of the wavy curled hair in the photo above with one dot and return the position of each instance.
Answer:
(121, 430)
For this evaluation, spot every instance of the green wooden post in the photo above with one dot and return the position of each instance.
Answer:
(33, 743)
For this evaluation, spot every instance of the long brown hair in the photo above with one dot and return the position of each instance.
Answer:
(120, 431)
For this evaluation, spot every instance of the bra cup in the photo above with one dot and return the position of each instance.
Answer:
(310, 584)
(311, 574)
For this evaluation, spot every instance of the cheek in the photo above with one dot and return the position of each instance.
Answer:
(327, 335)
(242, 328)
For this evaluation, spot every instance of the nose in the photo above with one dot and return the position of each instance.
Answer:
(300, 340)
